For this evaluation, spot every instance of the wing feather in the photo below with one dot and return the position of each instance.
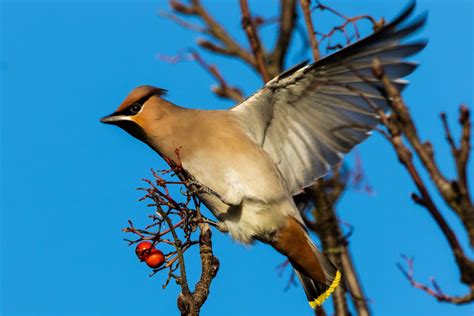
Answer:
(310, 115)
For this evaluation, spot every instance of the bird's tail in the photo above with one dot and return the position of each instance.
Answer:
(316, 291)
(317, 274)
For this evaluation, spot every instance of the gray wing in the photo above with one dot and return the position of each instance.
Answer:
(309, 116)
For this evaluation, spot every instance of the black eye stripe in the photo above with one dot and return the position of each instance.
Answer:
(133, 109)
(128, 111)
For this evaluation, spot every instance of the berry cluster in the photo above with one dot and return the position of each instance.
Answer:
(153, 257)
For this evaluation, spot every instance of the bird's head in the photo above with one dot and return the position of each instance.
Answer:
(140, 112)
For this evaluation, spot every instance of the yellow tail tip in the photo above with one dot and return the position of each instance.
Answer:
(321, 298)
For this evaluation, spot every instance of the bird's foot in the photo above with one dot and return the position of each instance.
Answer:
(196, 187)
(220, 226)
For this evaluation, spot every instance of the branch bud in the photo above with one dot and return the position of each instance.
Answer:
(181, 8)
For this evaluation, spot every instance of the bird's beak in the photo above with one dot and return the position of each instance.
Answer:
(114, 119)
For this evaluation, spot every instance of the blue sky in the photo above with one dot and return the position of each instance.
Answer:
(68, 182)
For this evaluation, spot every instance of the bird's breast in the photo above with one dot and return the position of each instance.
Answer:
(236, 173)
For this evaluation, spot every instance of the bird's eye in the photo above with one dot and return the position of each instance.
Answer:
(135, 108)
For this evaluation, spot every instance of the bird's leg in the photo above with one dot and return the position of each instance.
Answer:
(196, 187)
(220, 226)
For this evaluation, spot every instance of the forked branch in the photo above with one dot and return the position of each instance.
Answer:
(433, 290)
(180, 219)
(400, 128)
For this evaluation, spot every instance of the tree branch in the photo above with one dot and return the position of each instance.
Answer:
(435, 290)
(399, 125)
(223, 90)
(189, 220)
(214, 29)
(310, 28)
(449, 190)
(252, 35)
(326, 193)
(287, 25)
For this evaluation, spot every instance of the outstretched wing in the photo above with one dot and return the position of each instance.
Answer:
(309, 116)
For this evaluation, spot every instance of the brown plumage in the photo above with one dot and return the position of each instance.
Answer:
(292, 241)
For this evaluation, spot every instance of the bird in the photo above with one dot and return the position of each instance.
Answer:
(255, 157)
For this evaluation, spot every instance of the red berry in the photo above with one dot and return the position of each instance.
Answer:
(144, 249)
(155, 259)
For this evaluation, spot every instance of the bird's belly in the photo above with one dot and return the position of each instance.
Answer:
(249, 220)
(237, 175)
(251, 199)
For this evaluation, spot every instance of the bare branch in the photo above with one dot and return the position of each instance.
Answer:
(182, 22)
(210, 46)
(287, 25)
(449, 190)
(343, 28)
(435, 290)
(309, 26)
(319, 311)
(326, 192)
(214, 29)
(223, 89)
(401, 125)
(167, 209)
(252, 35)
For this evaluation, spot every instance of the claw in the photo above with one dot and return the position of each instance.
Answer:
(196, 187)
(220, 226)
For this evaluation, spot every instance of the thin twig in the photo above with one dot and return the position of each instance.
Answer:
(435, 290)
(309, 26)
(401, 125)
(287, 25)
(252, 35)
(213, 28)
(223, 89)
(182, 22)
